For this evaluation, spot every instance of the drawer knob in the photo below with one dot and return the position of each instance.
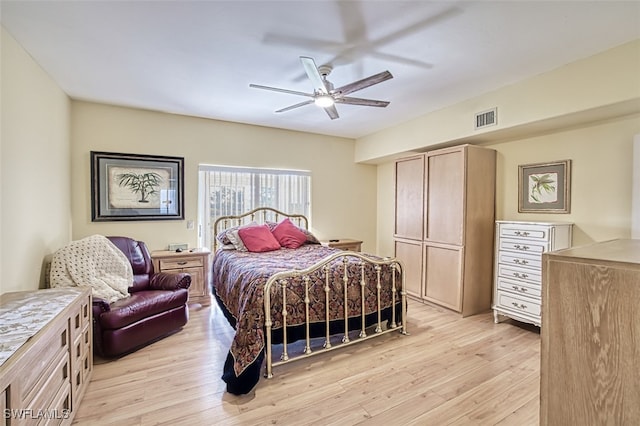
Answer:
(519, 247)
(519, 289)
(184, 262)
(522, 234)
(522, 276)
(519, 305)
(520, 262)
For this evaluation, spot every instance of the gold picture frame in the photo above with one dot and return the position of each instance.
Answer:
(545, 187)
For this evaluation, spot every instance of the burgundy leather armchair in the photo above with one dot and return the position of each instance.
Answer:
(156, 307)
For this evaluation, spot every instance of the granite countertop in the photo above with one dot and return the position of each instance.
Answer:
(23, 314)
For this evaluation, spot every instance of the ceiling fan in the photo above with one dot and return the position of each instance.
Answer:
(324, 95)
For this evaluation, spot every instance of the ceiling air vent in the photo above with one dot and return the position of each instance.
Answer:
(487, 118)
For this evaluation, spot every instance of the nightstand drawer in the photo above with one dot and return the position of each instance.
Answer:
(344, 244)
(180, 263)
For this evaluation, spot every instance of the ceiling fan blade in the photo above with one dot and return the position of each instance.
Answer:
(359, 101)
(312, 72)
(295, 106)
(332, 112)
(365, 82)
(304, 43)
(275, 89)
(401, 60)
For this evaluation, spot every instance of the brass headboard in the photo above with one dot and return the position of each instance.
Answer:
(259, 215)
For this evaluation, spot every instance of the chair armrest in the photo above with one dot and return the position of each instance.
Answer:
(169, 281)
(100, 306)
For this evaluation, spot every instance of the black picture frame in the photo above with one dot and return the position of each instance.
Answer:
(128, 187)
(545, 187)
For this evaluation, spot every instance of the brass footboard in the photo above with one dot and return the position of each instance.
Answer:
(283, 279)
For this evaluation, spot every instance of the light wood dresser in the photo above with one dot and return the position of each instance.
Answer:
(46, 350)
(590, 337)
(517, 288)
(195, 262)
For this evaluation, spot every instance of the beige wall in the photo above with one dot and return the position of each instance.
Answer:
(34, 169)
(587, 111)
(601, 177)
(386, 209)
(604, 85)
(343, 193)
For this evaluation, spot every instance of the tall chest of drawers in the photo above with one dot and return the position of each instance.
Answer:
(517, 288)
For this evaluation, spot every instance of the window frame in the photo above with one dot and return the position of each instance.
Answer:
(205, 218)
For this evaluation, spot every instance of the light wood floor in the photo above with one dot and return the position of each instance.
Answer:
(449, 371)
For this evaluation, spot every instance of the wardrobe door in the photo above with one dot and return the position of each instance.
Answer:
(443, 275)
(410, 254)
(444, 203)
(409, 198)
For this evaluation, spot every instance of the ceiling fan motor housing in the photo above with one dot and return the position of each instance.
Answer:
(325, 70)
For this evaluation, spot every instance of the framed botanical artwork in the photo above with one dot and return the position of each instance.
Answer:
(545, 187)
(136, 187)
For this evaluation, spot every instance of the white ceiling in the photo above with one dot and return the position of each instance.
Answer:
(198, 57)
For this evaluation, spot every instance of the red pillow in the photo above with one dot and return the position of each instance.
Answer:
(258, 238)
(288, 235)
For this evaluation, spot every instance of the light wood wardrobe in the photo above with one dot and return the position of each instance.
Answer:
(444, 222)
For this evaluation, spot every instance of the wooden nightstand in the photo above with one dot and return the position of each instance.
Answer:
(344, 244)
(195, 262)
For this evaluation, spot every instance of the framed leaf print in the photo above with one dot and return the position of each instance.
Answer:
(136, 187)
(544, 187)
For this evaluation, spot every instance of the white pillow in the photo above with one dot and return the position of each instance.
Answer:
(235, 239)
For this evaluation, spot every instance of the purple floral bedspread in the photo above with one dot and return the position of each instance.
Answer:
(239, 279)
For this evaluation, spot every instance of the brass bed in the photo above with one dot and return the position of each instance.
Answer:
(298, 294)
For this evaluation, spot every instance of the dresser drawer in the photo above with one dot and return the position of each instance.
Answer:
(520, 274)
(180, 263)
(54, 381)
(60, 408)
(529, 232)
(523, 260)
(519, 287)
(522, 246)
(519, 304)
(56, 347)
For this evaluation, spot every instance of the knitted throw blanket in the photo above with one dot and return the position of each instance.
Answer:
(93, 262)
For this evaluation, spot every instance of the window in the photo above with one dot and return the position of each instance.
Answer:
(225, 190)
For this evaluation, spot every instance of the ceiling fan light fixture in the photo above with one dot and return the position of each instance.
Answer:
(324, 101)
